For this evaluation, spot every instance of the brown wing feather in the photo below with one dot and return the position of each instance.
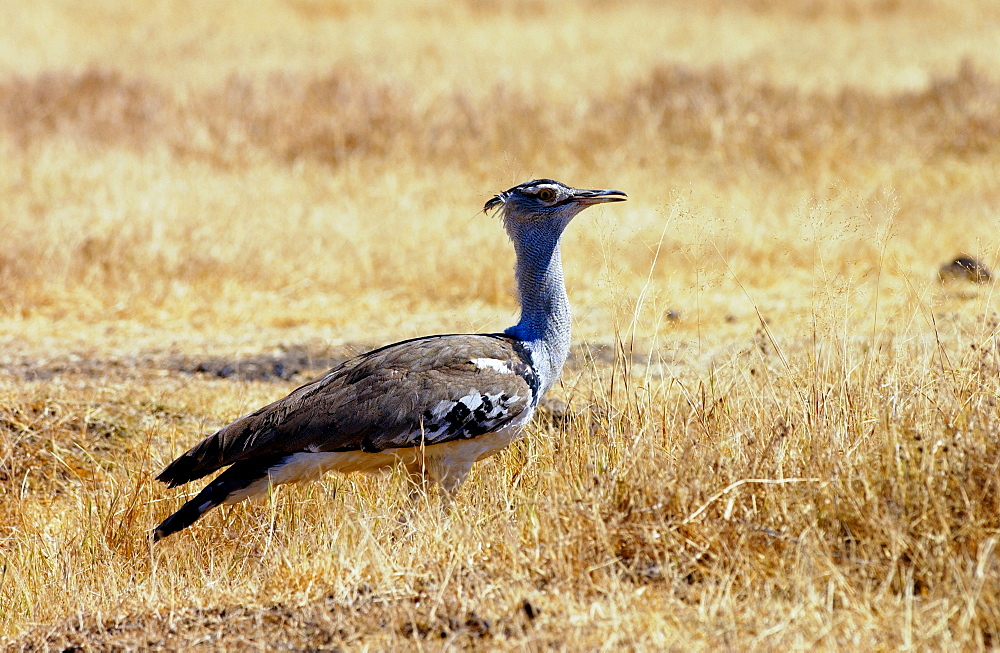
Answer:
(395, 396)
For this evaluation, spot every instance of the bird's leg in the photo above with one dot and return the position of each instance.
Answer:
(416, 475)
(449, 476)
(425, 474)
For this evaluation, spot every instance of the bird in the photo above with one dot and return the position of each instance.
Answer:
(433, 405)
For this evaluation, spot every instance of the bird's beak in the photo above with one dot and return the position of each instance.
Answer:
(590, 197)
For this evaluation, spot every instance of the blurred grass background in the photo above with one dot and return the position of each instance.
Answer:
(181, 180)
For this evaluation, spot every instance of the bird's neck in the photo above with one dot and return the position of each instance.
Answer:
(544, 326)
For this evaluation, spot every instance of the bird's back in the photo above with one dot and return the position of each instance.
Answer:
(417, 392)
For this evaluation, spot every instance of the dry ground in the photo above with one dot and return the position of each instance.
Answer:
(778, 429)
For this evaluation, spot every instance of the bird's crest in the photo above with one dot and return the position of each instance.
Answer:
(495, 201)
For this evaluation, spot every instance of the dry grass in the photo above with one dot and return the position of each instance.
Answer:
(781, 429)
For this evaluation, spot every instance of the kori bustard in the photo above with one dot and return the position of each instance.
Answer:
(434, 405)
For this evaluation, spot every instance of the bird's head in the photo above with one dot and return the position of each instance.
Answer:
(546, 204)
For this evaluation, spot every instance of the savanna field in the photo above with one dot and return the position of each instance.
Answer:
(778, 428)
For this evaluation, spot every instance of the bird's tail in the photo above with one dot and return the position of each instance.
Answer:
(189, 513)
(241, 481)
(201, 460)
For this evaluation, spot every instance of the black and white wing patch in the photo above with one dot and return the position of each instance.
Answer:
(483, 390)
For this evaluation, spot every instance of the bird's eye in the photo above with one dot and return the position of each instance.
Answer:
(546, 194)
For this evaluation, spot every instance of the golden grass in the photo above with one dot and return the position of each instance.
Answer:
(781, 429)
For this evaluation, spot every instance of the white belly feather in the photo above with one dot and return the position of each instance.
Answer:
(448, 459)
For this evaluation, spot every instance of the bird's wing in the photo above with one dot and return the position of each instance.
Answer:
(422, 391)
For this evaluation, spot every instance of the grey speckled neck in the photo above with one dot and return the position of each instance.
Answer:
(544, 326)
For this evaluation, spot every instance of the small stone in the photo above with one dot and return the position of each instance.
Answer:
(965, 267)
